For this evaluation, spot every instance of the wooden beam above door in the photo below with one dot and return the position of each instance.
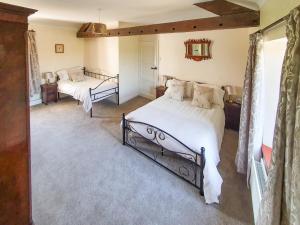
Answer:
(231, 16)
(213, 23)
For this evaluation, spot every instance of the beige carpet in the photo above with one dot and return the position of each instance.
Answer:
(83, 175)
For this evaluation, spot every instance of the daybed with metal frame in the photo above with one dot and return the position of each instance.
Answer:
(97, 95)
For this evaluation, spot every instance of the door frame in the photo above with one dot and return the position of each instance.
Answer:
(155, 43)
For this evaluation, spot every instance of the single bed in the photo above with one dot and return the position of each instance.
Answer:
(180, 130)
(93, 88)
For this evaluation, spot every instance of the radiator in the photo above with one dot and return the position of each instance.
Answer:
(257, 183)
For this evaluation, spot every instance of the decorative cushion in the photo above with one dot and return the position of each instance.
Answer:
(62, 75)
(218, 94)
(189, 89)
(76, 74)
(203, 96)
(175, 89)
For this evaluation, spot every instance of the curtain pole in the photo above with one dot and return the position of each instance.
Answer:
(277, 22)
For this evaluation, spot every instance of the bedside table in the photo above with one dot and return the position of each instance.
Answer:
(232, 115)
(49, 93)
(160, 91)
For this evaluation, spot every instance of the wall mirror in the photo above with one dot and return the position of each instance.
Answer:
(198, 50)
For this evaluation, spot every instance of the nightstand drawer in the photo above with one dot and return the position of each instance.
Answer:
(52, 91)
(51, 96)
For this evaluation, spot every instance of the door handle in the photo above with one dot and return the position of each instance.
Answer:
(154, 68)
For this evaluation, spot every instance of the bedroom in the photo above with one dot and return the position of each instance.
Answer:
(80, 171)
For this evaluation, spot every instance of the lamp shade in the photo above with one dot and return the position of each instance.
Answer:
(100, 28)
(233, 93)
(233, 90)
(89, 30)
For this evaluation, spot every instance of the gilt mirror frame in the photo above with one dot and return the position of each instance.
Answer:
(192, 46)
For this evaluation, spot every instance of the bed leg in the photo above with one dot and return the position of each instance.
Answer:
(118, 98)
(91, 112)
(58, 96)
(202, 161)
(78, 102)
(124, 128)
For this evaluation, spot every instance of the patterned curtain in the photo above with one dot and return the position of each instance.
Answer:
(33, 65)
(281, 199)
(250, 135)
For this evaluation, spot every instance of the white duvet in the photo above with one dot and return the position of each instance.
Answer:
(195, 127)
(80, 90)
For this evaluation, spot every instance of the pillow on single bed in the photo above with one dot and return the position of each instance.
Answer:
(62, 75)
(175, 89)
(76, 74)
(203, 96)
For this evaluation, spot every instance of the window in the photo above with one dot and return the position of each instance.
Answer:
(273, 59)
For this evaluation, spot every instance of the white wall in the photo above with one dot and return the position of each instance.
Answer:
(121, 55)
(102, 55)
(229, 57)
(273, 59)
(115, 55)
(129, 67)
(47, 36)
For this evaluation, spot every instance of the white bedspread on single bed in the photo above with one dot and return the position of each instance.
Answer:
(195, 127)
(80, 90)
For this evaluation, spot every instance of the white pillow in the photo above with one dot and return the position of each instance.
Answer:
(203, 96)
(218, 96)
(189, 89)
(175, 89)
(76, 74)
(63, 75)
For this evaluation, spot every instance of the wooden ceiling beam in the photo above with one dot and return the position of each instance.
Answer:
(249, 19)
(222, 7)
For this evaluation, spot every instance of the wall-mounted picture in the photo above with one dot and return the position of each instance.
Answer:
(59, 48)
(198, 49)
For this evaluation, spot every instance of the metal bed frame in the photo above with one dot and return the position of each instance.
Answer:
(105, 78)
(189, 166)
(95, 95)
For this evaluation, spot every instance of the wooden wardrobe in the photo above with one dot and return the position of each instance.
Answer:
(15, 185)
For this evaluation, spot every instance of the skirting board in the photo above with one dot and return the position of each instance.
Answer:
(126, 98)
(35, 102)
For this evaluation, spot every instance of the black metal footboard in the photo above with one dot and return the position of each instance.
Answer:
(100, 95)
(188, 164)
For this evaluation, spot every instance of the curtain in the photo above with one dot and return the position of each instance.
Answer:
(33, 65)
(250, 134)
(281, 199)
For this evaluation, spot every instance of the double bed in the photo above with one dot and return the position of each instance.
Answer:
(182, 138)
(93, 88)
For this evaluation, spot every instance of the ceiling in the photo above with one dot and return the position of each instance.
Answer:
(113, 11)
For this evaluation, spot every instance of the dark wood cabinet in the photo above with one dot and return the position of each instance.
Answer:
(160, 91)
(232, 115)
(15, 189)
(49, 93)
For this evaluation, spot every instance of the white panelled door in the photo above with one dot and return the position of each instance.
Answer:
(148, 69)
